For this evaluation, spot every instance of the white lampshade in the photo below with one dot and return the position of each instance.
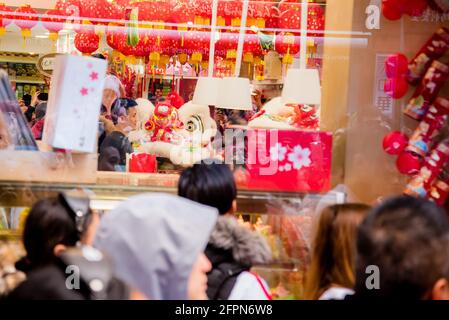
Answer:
(302, 86)
(235, 93)
(207, 91)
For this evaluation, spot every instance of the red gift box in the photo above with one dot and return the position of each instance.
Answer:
(289, 160)
(142, 162)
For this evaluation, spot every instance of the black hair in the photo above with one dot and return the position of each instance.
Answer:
(406, 238)
(116, 140)
(48, 224)
(210, 184)
(98, 56)
(27, 99)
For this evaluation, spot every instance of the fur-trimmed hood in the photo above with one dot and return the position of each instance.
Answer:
(248, 247)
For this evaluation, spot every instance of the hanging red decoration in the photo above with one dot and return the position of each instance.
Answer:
(100, 12)
(315, 20)
(6, 17)
(26, 18)
(68, 7)
(396, 65)
(87, 42)
(203, 12)
(415, 8)
(251, 47)
(396, 87)
(53, 21)
(272, 15)
(287, 44)
(197, 44)
(290, 15)
(226, 46)
(394, 142)
(113, 36)
(408, 163)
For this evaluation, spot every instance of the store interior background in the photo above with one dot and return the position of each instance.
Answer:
(350, 81)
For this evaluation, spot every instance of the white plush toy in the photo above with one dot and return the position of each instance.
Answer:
(190, 143)
(144, 111)
(274, 115)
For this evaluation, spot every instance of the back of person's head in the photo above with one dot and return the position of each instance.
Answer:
(54, 224)
(47, 225)
(209, 183)
(407, 240)
(41, 110)
(333, 249)
(115, 140)
(98, 56)
(27, 99)
(156, 242)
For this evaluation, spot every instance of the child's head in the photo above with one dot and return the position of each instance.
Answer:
(210, 184)
(333, 252)
(52, 226)
(407, 240)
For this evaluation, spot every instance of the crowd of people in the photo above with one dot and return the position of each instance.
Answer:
(191, 246)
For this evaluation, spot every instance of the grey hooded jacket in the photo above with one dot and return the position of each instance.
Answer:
(154, 240)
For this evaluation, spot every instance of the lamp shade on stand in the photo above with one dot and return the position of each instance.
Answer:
(207, 91)
(235, 94)
(302, 86)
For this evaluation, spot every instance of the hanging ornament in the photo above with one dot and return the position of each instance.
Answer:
(396, 65)
(395, 142)
(87, 42)
(408, 163)
(315, 20)
(197, 43)
(290, 15)
(6, 17)
(396, 87)
(68, 8)
(26, 18)
(202, 12)
(287, 44)
(271, 15)
(53, 21)
(99, 12)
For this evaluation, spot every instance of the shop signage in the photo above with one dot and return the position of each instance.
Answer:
(46, 64)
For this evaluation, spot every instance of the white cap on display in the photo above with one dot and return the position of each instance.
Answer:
(302, 86)
(207, 91)
(235, 93)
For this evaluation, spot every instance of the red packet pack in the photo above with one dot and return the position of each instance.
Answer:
(142, 162)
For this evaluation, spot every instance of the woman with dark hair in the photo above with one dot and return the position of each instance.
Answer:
(53, 230)
(233, 249)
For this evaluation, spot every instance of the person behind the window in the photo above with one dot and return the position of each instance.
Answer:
(331, 273)
(38, 127)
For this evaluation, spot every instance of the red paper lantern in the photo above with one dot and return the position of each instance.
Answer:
(287, 44)
(396, 65)
(396, 87)
(68, 7)
(6, 17)
(147, 10)
(203, 9)
(272, 16)
(226, 46)
(197, 44)
(395, 142)
(53, 21)
(290, 15)
(315, 20)
(86, 42)
(100, 11)
(408, 163)
(251, 46)
(26, 18)
(392, 9)
(182, 12)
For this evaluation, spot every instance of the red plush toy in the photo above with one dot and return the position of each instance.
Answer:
(162, 122)
(175, 99)
(395, 142)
